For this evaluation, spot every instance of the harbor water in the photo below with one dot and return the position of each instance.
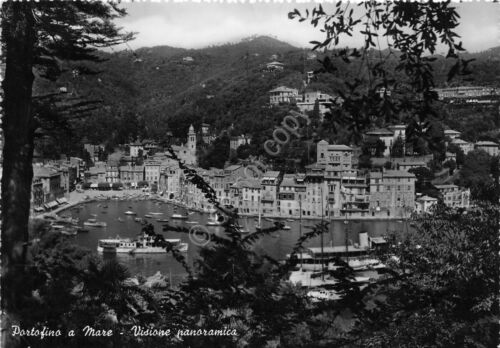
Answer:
(276, 245)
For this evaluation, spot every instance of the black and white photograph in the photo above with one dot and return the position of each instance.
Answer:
(250, 174)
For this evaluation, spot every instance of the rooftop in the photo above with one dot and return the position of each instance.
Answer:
(380, 131)
(426, 199)
(283, 89)
(398, 174)
(486, 143)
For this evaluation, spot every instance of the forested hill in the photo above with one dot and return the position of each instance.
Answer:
(150, 91)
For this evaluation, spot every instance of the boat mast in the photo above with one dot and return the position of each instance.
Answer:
(300, 226)
(260, 213)
(322, 242)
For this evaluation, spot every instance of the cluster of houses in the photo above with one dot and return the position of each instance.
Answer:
(53, 181)
(332, 187)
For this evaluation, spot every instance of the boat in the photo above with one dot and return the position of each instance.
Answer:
(150, 213)
(142, 245)
(94, 223)
(191, 222)
(191, 213)
(178, 245)
(286, 228)
(323, 295)
(129, 212)
(137, 219)
(120, 219)
(270, 220)
(179, 216)
(82, 230)
(104, 206)
(69, 232)
(148, 216)
(357, 257)
(58, 227)
(162, 220)
(290, 220)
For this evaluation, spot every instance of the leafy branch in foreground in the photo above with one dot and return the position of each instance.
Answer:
(395, 79)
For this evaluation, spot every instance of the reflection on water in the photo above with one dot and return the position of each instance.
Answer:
(276, 245)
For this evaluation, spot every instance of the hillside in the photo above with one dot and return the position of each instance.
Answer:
(154, 90)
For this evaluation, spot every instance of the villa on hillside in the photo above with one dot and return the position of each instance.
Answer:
(488, 146)
(283, 94)
(275, 66)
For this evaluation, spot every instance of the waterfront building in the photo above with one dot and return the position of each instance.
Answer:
(112, 174)
(152, 171)
(96, 173)
(291, 192)
(270, 184)
(333, 182)
(453, 196)
(246, 196)
(316, 193)
(51, 183)
(173, 181)
(334, 155)
(282, 95)
(354, 197)
(392, 193)
(488, 146)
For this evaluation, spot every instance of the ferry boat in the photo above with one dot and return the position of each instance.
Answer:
(94, 223)
(142, 245)
(179, 216)
(129, 212)
(357, 257)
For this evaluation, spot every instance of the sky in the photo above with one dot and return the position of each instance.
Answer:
(201, 24)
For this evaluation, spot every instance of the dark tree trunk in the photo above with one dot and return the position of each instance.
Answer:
(18, 35)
